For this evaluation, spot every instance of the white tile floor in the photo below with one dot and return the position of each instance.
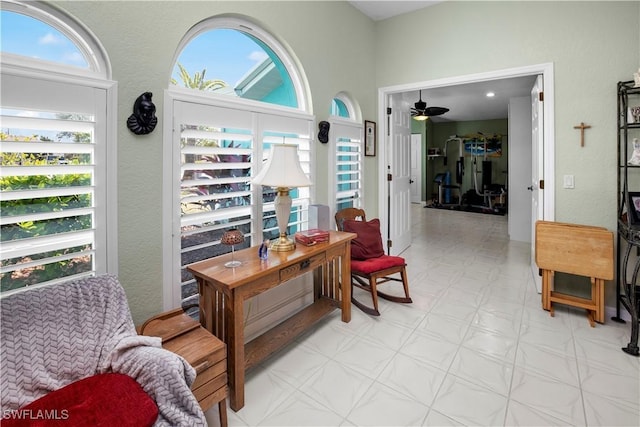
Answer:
(475, 348)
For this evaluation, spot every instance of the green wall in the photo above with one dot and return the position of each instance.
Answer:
(592, 45)
(442, 132)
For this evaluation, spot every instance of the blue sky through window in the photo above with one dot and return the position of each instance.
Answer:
(26, 36)
(226, 55)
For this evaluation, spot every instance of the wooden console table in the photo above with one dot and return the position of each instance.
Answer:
(223, 291)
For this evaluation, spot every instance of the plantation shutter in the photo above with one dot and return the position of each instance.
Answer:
(215, 152)
(53, 188)
(217, 147)
(347, 152)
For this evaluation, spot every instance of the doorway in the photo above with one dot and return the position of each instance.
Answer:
(386, 93)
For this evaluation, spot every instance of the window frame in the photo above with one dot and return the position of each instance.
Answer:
(88, 44)
(245, 25)
(171, 203)
(97, 77)
(353, 121)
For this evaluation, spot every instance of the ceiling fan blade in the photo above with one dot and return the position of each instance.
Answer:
(435, 111)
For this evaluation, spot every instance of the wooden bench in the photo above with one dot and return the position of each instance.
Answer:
(207, 354)
(575, 249)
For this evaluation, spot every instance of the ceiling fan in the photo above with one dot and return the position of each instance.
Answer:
(422, 112)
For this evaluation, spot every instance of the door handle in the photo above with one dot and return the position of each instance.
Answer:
(530, 188)
(411, 181)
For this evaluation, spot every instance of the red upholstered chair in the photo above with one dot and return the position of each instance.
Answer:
(370, 266)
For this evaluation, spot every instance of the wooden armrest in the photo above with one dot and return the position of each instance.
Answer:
(159, 325)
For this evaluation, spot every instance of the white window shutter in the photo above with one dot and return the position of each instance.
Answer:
(220, 149)
(347, 160)
(53, 190)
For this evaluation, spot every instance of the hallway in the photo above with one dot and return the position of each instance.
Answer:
(475, 348)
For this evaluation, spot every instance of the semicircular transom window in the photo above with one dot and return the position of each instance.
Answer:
(231, 62)
(338, 108)
(32, 38)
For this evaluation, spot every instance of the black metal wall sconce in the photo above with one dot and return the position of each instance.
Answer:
(143, 120)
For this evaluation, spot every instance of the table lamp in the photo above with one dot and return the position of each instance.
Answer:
(283, 172)
(232, 237)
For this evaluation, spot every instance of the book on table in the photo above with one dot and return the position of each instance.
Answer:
(312, 236)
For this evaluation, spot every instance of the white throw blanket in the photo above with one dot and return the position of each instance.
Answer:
(55, 335)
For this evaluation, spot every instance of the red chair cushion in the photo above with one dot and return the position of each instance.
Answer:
(372, 265)
(100, 400)
(368, 244)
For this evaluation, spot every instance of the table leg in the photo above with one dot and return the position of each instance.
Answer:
(206, 307)
(345, 282)
(595, 300)
(235, 348)
(544, 289)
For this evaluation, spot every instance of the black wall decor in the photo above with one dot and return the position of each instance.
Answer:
(143, 120)
(323, 135)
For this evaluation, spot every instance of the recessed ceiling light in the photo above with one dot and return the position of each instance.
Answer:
(490, 94)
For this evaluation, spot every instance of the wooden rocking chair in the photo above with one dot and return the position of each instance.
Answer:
(370, 267)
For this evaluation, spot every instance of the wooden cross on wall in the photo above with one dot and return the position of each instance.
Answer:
(582, 127)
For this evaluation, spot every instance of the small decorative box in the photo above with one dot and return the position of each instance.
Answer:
(312, 236)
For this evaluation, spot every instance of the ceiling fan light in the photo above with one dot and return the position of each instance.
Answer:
(421, 118)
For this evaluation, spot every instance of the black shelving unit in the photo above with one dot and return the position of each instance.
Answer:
(628, 291)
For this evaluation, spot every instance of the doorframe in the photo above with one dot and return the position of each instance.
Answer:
(546, 69)
(418, 180)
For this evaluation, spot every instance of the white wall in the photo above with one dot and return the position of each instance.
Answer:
(519, 197)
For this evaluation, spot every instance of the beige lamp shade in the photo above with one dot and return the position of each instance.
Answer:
(282, 171)
(282, 168)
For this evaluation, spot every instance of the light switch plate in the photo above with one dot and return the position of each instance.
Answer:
(568, 181)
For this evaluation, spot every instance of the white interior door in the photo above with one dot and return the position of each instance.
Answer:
(519, 153)
(537, 171)
(416, 168)
(399, 170)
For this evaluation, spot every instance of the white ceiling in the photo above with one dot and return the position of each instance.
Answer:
(469, 101)
(380, 9)
(466, 102)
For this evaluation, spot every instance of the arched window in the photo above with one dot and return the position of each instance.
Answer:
(57, 204)
(338, 108)
(345, 153)
(234, 91)
(231, 56)
(43, 37)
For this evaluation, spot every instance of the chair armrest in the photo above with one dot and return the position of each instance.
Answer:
(168, 325)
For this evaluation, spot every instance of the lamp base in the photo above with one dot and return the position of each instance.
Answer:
(232, 264)
(283, 244)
